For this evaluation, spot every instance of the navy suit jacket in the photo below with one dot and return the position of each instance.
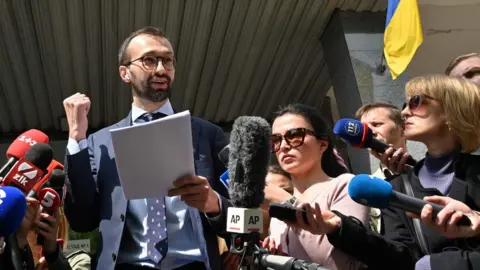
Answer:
(95, 196)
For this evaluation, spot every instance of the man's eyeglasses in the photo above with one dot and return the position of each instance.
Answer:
(293, 137)
(151, 62)
(416, 101)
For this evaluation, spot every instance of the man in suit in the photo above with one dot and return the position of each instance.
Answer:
(133, 233)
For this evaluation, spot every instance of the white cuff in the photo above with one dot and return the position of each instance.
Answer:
(74, 147)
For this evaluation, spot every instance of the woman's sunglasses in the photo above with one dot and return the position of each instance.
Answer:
(293, 137)
(416, 101)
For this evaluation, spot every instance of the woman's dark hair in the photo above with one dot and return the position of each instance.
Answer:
(330, 164)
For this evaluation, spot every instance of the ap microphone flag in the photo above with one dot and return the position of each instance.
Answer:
(248, 162)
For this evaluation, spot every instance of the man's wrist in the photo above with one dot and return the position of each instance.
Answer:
(216, 211)
(77, 136)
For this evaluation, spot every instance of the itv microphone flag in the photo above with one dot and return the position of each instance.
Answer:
(403, 34)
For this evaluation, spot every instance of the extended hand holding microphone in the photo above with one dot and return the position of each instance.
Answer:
(375, 192)
(359, 135)
(24, 175)
(51, 196)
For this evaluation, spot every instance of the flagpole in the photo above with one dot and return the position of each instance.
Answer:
(380, 68)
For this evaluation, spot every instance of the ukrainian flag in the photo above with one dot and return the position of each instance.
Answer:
(403, 34)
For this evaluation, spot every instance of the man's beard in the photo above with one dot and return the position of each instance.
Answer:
(147, 92)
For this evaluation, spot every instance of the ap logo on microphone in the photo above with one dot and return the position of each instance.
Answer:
(352, 128)
(244, 220)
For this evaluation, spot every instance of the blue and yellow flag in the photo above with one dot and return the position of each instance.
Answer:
(403, 34)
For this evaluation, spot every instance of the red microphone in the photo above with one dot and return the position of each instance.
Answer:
(50, 201)
(24, 175)
(30, 168)
(54, 165)
(20, 146)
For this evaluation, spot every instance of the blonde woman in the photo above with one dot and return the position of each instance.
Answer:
(443, 113)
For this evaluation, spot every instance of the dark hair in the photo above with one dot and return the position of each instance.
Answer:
(148, 30)
(330, 163)
(395, 113)
(457, 61)
(276, 169)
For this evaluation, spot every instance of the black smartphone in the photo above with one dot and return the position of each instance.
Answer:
(285, 212)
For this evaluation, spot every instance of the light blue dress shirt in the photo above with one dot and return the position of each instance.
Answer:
(184, 226)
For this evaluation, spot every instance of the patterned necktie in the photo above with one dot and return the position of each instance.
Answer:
(157, 243)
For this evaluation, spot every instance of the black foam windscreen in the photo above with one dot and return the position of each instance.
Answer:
(40, 155)
(248, 160)
(57, 181)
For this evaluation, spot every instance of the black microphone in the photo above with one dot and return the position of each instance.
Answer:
(359, 135)
(374, 192)
(57, 182)
(287, 263)
(248, 161)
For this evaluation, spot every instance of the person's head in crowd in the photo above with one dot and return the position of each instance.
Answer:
(276, 179)
(147, 64)
(443, 113)
(467, 66)
(277, 176)
(386, 122)
(301, 142)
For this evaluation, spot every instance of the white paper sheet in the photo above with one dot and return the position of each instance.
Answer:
(151, 156)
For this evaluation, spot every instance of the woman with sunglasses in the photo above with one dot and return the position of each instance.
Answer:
(444, 114)
(303, 148)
